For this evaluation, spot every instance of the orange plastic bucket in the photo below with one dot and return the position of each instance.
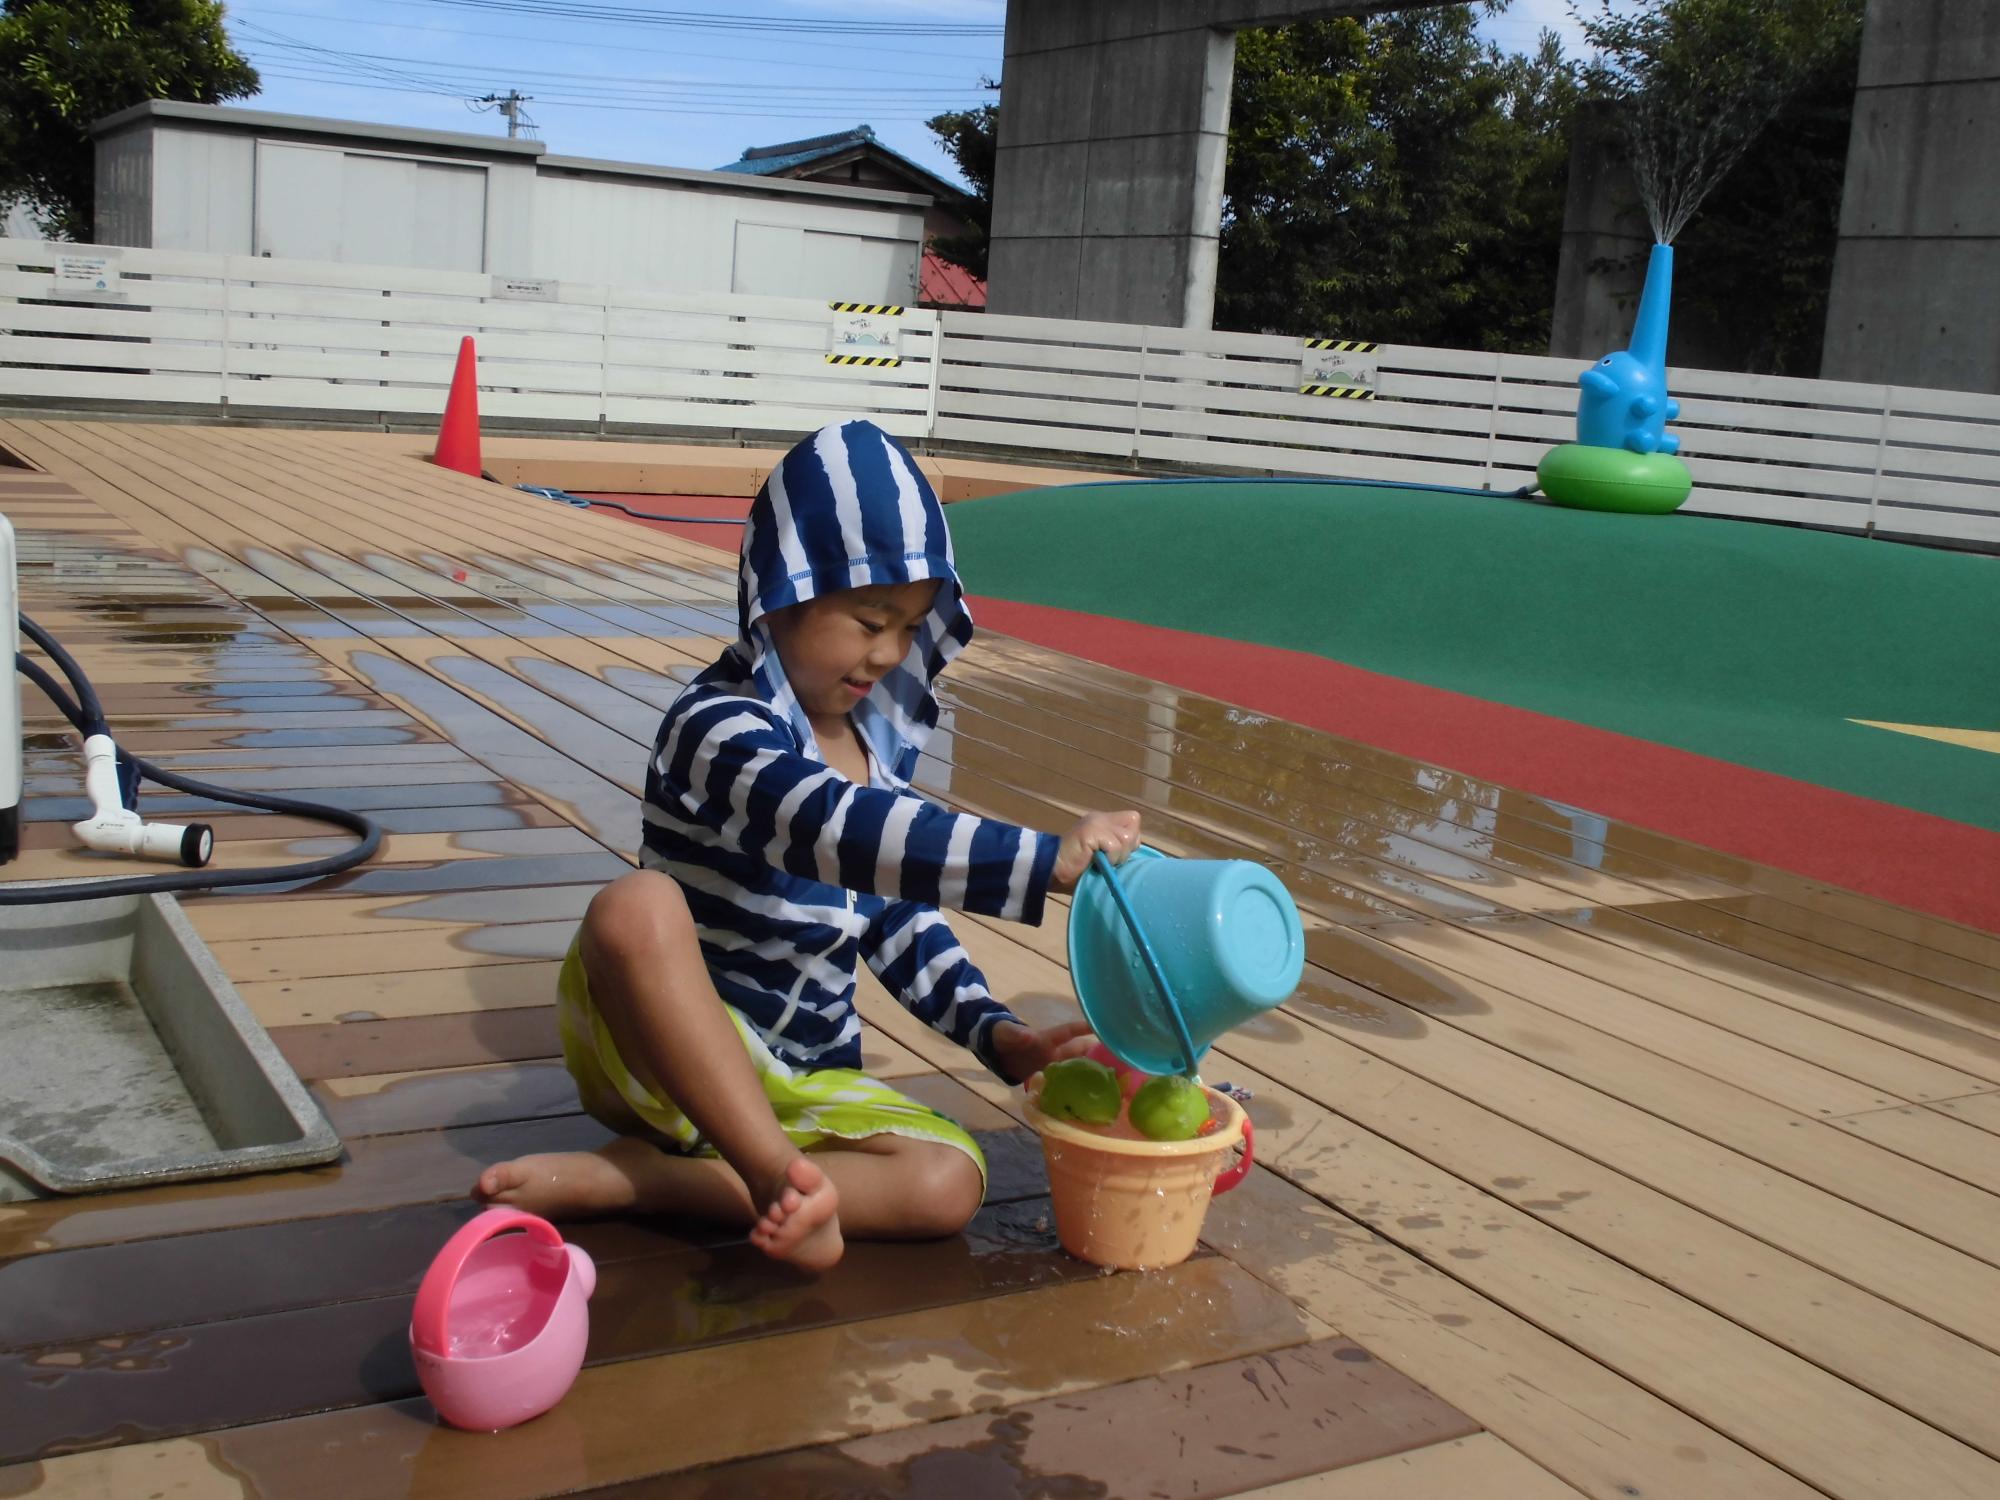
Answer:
(1137, 1205)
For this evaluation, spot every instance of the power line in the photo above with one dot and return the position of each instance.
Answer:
(628, 19)
(591, 102)
(369, 68)
(724, 21)
(561, 92)
(543, 39)
(693, 87)
(509, 104)
(293, 59)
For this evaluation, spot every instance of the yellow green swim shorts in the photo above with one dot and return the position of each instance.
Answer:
(814, 1107)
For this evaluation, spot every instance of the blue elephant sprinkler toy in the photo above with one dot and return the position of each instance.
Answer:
(1623, 457)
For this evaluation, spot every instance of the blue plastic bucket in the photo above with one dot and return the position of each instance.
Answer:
(1227, 937)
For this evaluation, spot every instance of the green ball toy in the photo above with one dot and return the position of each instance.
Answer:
(1171, 1108)
(1078, 1089)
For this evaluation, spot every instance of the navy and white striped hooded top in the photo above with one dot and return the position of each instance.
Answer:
(792, 872)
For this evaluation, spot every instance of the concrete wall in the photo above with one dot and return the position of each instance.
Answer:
(1605, 242)
(1114, 132)
(1916, 278)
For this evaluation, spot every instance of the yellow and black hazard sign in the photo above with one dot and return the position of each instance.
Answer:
(1346, 368)
(865, 333)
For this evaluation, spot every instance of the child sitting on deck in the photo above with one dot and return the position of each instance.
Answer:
(707, 1005)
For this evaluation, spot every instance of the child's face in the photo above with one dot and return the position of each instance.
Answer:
(835, 648)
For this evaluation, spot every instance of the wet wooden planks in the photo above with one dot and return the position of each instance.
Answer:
(629, 1419)
(1595, 1037)
(1213, 1431)
(322, 1350)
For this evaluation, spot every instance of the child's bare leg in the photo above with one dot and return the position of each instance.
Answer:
(648, 981)
(895, 1188)
(889, 1187)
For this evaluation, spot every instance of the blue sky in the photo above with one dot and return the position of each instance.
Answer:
(693, 93)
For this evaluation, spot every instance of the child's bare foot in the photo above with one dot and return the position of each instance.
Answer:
(802, 1225)
(567, 1184)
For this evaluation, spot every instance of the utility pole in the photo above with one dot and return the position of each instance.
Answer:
(510, 105)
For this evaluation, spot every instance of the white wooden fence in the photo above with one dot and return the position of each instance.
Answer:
(245, 336)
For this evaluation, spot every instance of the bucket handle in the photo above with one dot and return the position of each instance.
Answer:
(428, 1316)
(1241, 1170)
(1103, 867)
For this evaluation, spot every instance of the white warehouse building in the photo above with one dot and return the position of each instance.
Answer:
(243, 182)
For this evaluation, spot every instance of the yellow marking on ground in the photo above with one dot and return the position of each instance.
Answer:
(1973, 739)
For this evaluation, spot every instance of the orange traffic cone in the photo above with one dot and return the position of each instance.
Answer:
(458, 435)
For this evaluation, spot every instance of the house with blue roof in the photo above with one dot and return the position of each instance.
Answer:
(857, 159)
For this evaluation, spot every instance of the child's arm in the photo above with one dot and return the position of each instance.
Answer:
(912, 950)
(729, 765)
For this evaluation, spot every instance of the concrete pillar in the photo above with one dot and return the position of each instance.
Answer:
(1114, 132)
(1605, 242)
(1913, 300)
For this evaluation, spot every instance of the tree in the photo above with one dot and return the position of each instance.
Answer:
(1696, 81)
(970, 137)
(1742, 108)
(1395, 179)
(65, 64)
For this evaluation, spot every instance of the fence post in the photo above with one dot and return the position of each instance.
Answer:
(1139, 398)
(1881, 452)
(1493, 417)
(937, 373)
(604, 366)
(222, 343)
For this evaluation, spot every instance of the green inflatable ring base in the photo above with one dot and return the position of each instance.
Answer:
(1585, 477)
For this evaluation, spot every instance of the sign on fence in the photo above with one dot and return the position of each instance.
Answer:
(92, 276)
(1338, 367)
(864, 333)
(525, 289)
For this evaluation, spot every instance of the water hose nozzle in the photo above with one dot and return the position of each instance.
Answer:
(113, 828)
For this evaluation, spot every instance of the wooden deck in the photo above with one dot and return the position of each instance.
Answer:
(1595, 1163)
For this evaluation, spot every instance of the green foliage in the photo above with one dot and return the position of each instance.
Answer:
(1756, 264)
(1696, 81)
(1742, 108)
(65, 64)
(970, 137)
(1395, 179)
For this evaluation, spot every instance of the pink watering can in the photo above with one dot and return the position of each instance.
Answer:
(499, 1325)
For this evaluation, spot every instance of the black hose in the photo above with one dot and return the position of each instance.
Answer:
(581, 502)
(87, 715)
(1525, 492)
(86, 712)
(53, 691)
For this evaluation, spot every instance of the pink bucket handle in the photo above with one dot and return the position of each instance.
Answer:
(427, 1318)
(1241, 1170)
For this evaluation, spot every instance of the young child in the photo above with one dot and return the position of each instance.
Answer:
(707, 1005)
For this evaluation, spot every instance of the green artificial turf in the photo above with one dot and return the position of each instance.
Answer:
(1754, 644)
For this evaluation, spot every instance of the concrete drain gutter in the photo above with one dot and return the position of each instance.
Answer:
(131, 1060)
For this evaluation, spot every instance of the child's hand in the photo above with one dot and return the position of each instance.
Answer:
(1024, 1053)
(1116, 833)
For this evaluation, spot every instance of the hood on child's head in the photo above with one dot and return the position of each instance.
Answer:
(848, 506)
